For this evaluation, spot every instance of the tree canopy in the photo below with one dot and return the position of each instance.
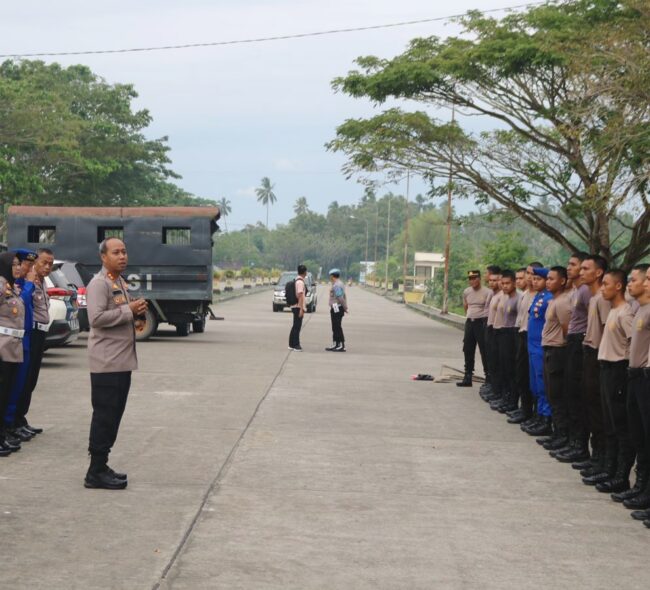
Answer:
(563, 87)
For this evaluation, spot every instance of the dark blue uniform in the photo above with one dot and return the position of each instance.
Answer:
(536, 319)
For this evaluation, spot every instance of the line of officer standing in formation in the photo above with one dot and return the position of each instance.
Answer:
(24, 320)
(566, 355)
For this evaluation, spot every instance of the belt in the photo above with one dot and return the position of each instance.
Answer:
(477, 319)
(12, 332)
(41, 327)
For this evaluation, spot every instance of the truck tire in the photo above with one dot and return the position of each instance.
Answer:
(198, 326)
(149, 328)
(182, 329)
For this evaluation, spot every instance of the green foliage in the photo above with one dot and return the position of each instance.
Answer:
(506, 249)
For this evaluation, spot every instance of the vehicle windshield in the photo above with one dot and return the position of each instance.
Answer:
(76, 274)
(286, 277)
(59, 279)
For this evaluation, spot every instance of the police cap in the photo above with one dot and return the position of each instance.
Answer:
(23, 254)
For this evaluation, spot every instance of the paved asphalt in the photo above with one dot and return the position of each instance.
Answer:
(252, 467)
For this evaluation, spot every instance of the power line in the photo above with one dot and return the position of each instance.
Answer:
(261, 39)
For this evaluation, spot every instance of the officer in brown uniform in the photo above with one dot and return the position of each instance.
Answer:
(492, 390)
(12, 330)
(592, 270)
(613, 355)
(475, 298)
(41, 321)
(638, 400)
(554, 343)
(111, 350)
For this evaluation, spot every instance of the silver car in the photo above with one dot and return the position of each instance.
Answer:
(279, 296)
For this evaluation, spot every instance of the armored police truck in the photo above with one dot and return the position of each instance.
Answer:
(170, 252)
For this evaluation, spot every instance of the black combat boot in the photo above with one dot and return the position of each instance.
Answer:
(636, 489)
(608, 471)
(466, 382)
(621, 480)
(640, 501)
(543, 428)
(577, 452)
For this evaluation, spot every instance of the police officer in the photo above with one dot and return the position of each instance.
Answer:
(12, 330)
(540, 424)
(492, 390)
(474, 300)
(554, 343)
(338, 305)
(525, 410)
(579, 297)
(506, 336)
(613, 355)
(597, 469)
(638, 401)
(112, 317)
(41, 320)
(25, 285)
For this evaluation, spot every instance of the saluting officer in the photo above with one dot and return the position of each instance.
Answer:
(24, 284)
(41, 321)
(12, 330)
(111, 351)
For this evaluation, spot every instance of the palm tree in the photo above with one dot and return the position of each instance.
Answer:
(225, 209)
(301, 207)
(266, 196)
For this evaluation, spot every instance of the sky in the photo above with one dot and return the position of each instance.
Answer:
(234, 114)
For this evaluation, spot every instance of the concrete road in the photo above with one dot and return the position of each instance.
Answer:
(257, 468)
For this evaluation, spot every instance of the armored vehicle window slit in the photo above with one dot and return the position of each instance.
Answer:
(177, 236)
(41, 234)
(104, 233)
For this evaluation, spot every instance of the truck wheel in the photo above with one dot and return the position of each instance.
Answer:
(182, 329)
(149, 328)
(198, 326)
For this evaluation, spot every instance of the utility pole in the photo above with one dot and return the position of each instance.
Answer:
(387, 245)
(376, 230)
(366, 260)
(406, 230)
(445, 288)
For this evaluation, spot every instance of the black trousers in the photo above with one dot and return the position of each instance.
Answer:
(474, 336)
(492, 353)
(294, 335)
(522, 373)
(613, 389)
(109, 392)
(37, 349)
(555, 358)
(591, 402)
(337, 329)
(638, 416)
(578, 423)
(507, 349)
(8, 372)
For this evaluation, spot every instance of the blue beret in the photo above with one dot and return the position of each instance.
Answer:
(541, 272)
(334, 271)
(23, 254)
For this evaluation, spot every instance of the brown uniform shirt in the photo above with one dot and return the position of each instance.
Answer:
(615, 344)
(492, 304)
(507, 309)
(41, 303)
(476, 299)
(597, 317)
(640, 344)
(524, 307)
(580, 299)
(111, 343)
(558, 314)
(12, 315)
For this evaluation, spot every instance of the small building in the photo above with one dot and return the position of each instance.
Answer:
(425, 266)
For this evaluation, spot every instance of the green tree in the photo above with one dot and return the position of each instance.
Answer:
(225, 209)
(506, 249)
(265, 195)
(562, 135)
(301, 206)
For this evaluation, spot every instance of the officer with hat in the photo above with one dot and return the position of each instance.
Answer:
(41, 317)
(338, 305)
(25, 284)
(475, 299)
(539, 425)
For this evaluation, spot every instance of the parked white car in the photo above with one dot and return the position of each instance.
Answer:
(64, 323)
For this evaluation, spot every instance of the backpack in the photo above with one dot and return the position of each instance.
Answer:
(290, 291)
